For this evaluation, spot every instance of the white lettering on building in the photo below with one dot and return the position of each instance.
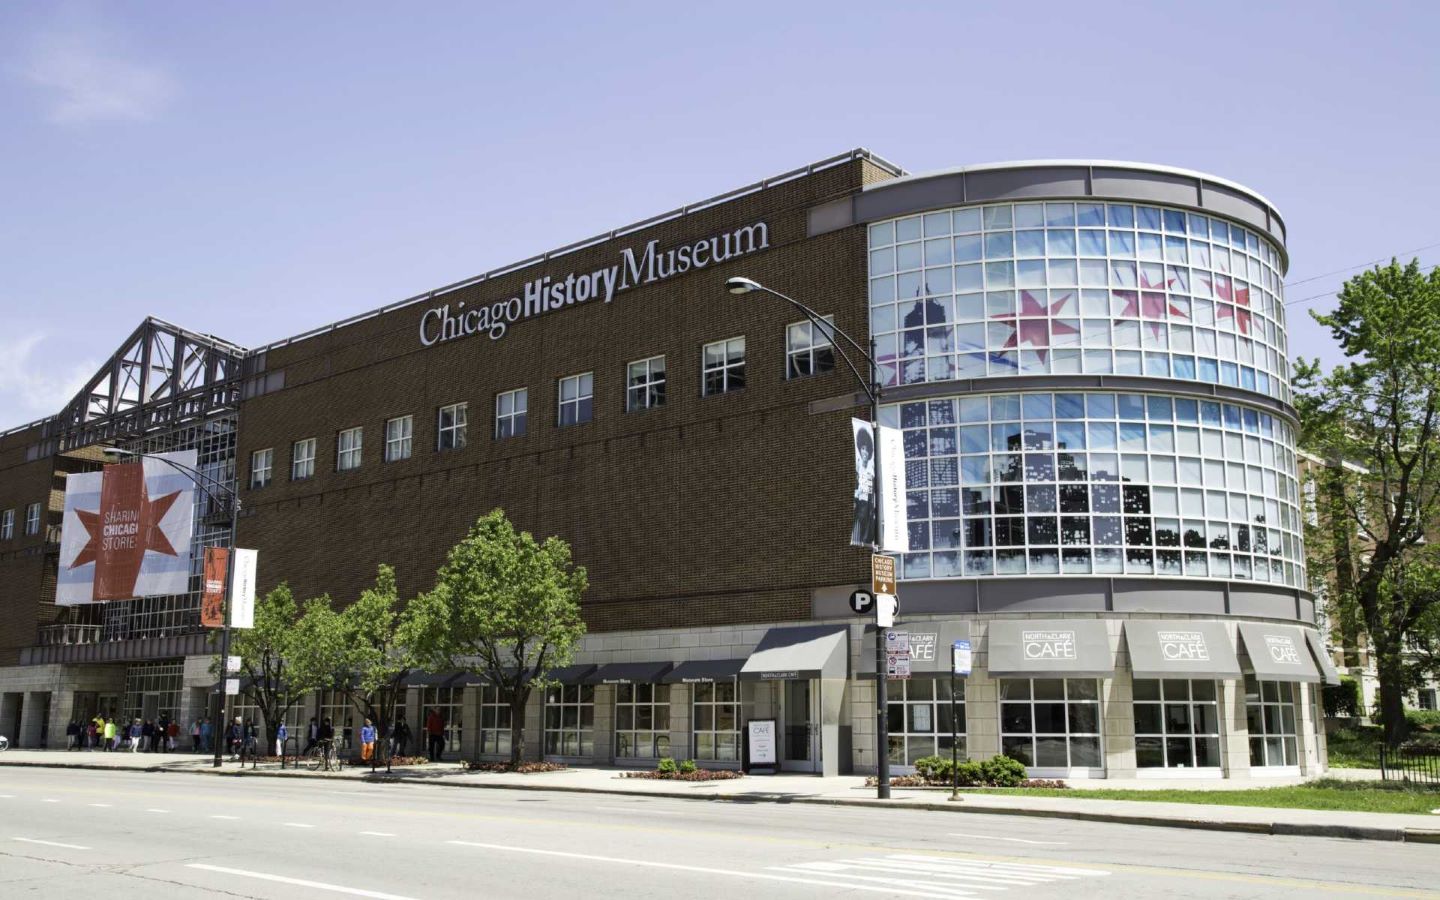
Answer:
(1183, 645)
(1048, 644)
(548, 294)
(1282, 649)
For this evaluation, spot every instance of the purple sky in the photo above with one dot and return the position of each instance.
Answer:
(254, 170)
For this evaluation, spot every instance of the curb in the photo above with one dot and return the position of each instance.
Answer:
(1286, 829)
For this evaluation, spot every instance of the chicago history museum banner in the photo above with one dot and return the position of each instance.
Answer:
(127, 532)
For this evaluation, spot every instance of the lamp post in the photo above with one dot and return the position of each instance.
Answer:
(205, 483)
(871, 387)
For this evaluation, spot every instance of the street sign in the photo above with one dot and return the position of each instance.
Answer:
(882, 574)
(887, 607)
(897, 667)
(960, 657)
(232, 686)
(862, 601)
(897, 642)
(760, 738)
(232, 665)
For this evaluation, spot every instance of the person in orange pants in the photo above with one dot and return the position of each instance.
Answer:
(367, 741)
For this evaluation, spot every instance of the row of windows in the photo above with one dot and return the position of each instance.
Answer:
(32, 522)
(808, 351)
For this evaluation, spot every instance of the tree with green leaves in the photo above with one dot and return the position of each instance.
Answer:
(265, 652)
(506, 608)
(1375, 420)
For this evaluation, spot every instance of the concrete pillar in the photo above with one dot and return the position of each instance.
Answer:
(470, 739)
(1307, 752)
(1117, 718)
(982, 715)
(862, 725)
(62, 708)
(11, 706)
(604, 725)
(534, 727)
(1234, 730)
(34, 724)
(682, 734)
(832, 699)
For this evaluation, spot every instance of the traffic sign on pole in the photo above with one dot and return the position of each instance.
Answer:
(882, 574)
(862, 601)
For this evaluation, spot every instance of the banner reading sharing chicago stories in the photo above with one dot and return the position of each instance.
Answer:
(127, 532)
(862, 530)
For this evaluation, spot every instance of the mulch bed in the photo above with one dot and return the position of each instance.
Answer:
(524, 768)
(919, 781)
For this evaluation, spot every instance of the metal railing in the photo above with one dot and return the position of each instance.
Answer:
(1412, 764)
(61, 635)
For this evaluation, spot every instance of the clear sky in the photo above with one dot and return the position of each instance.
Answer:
(256, 169)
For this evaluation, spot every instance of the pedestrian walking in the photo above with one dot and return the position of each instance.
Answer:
(312, 735)
(207, 735)
(400, 738)
(236, 737)
(137, 734)
(157, 736)
(172, 736)
(281, 734)
(195, 736)
(434, 734)
(109, 735)
(367, 741)
(72, 736)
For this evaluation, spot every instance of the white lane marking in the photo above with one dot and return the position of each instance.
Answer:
(705, 870)
(101, 805)
(645, 809)
(378, 833)
(7, 796)
(49, 800)
(224, 817)
(943, 877)
(991, 837)
(51, 844)
(158, 810)
(1034, 868)
(300, 882)
(297, 825)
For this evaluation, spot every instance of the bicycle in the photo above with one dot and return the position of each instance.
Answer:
(324, 754)
(4, 743)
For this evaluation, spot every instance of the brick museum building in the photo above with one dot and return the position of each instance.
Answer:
(1087, 359)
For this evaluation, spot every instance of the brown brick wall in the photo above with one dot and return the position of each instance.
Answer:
(26, 572)
(707, 510)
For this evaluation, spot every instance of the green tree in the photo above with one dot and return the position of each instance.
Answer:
(1380, 411)
(505, 607)
(266, 652)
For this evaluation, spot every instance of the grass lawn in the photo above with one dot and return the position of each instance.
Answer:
(1355, 748)
(1357, 796)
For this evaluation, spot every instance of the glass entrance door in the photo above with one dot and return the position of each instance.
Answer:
(799, 716)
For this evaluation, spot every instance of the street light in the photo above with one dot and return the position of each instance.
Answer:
(739, 285)
(205, 483)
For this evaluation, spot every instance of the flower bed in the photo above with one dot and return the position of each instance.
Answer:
(524, 768)
(697, 775)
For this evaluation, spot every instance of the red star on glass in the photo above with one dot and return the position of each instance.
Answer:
(1034, 326)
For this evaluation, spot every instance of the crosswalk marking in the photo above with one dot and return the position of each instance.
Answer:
(943, 878)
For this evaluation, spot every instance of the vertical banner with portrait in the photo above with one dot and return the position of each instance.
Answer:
(212, 598)
(862, 530)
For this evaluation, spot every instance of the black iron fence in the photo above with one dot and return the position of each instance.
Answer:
(1417, 765)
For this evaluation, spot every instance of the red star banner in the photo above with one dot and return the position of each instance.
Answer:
(127, 533)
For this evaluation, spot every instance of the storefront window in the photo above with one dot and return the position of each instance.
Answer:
(494, 721)
(1051, 723)
(920, 725)
(1177, 724)
(717, 722)
(335, 706)
(570, 720)
(642, 721)
(450, 703)
(1270, 716)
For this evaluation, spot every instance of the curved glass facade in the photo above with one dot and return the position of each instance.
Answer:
(1092, 483)
(1066, 287)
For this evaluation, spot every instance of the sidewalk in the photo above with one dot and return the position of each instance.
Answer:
(845, 790)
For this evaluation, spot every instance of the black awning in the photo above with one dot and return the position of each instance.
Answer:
(428, 679)
(629, 673)
(572, 674)
(700, 671)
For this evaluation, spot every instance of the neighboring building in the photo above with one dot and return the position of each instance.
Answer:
(1088, 360)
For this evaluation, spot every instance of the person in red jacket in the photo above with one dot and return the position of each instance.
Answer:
(435, 734)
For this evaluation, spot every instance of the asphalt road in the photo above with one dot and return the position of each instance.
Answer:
(117, 834)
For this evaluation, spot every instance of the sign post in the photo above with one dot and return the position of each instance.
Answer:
(960, 656)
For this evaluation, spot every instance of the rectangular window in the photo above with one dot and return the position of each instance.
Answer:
(494, 721)
(576, 398)
(7, 524)
(808, 350)
(645, 384)
(722, 366)
(262, 464)
(399, 438)
(920, 722)
(570, 720)
(348, 449)
(1270, 716)
(642, 721)
(32, 519)
(511, 408)
(716, 718)
(302, 460)
(451, 428)
(1177, 724)
(449, 703)
(1052, 725)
